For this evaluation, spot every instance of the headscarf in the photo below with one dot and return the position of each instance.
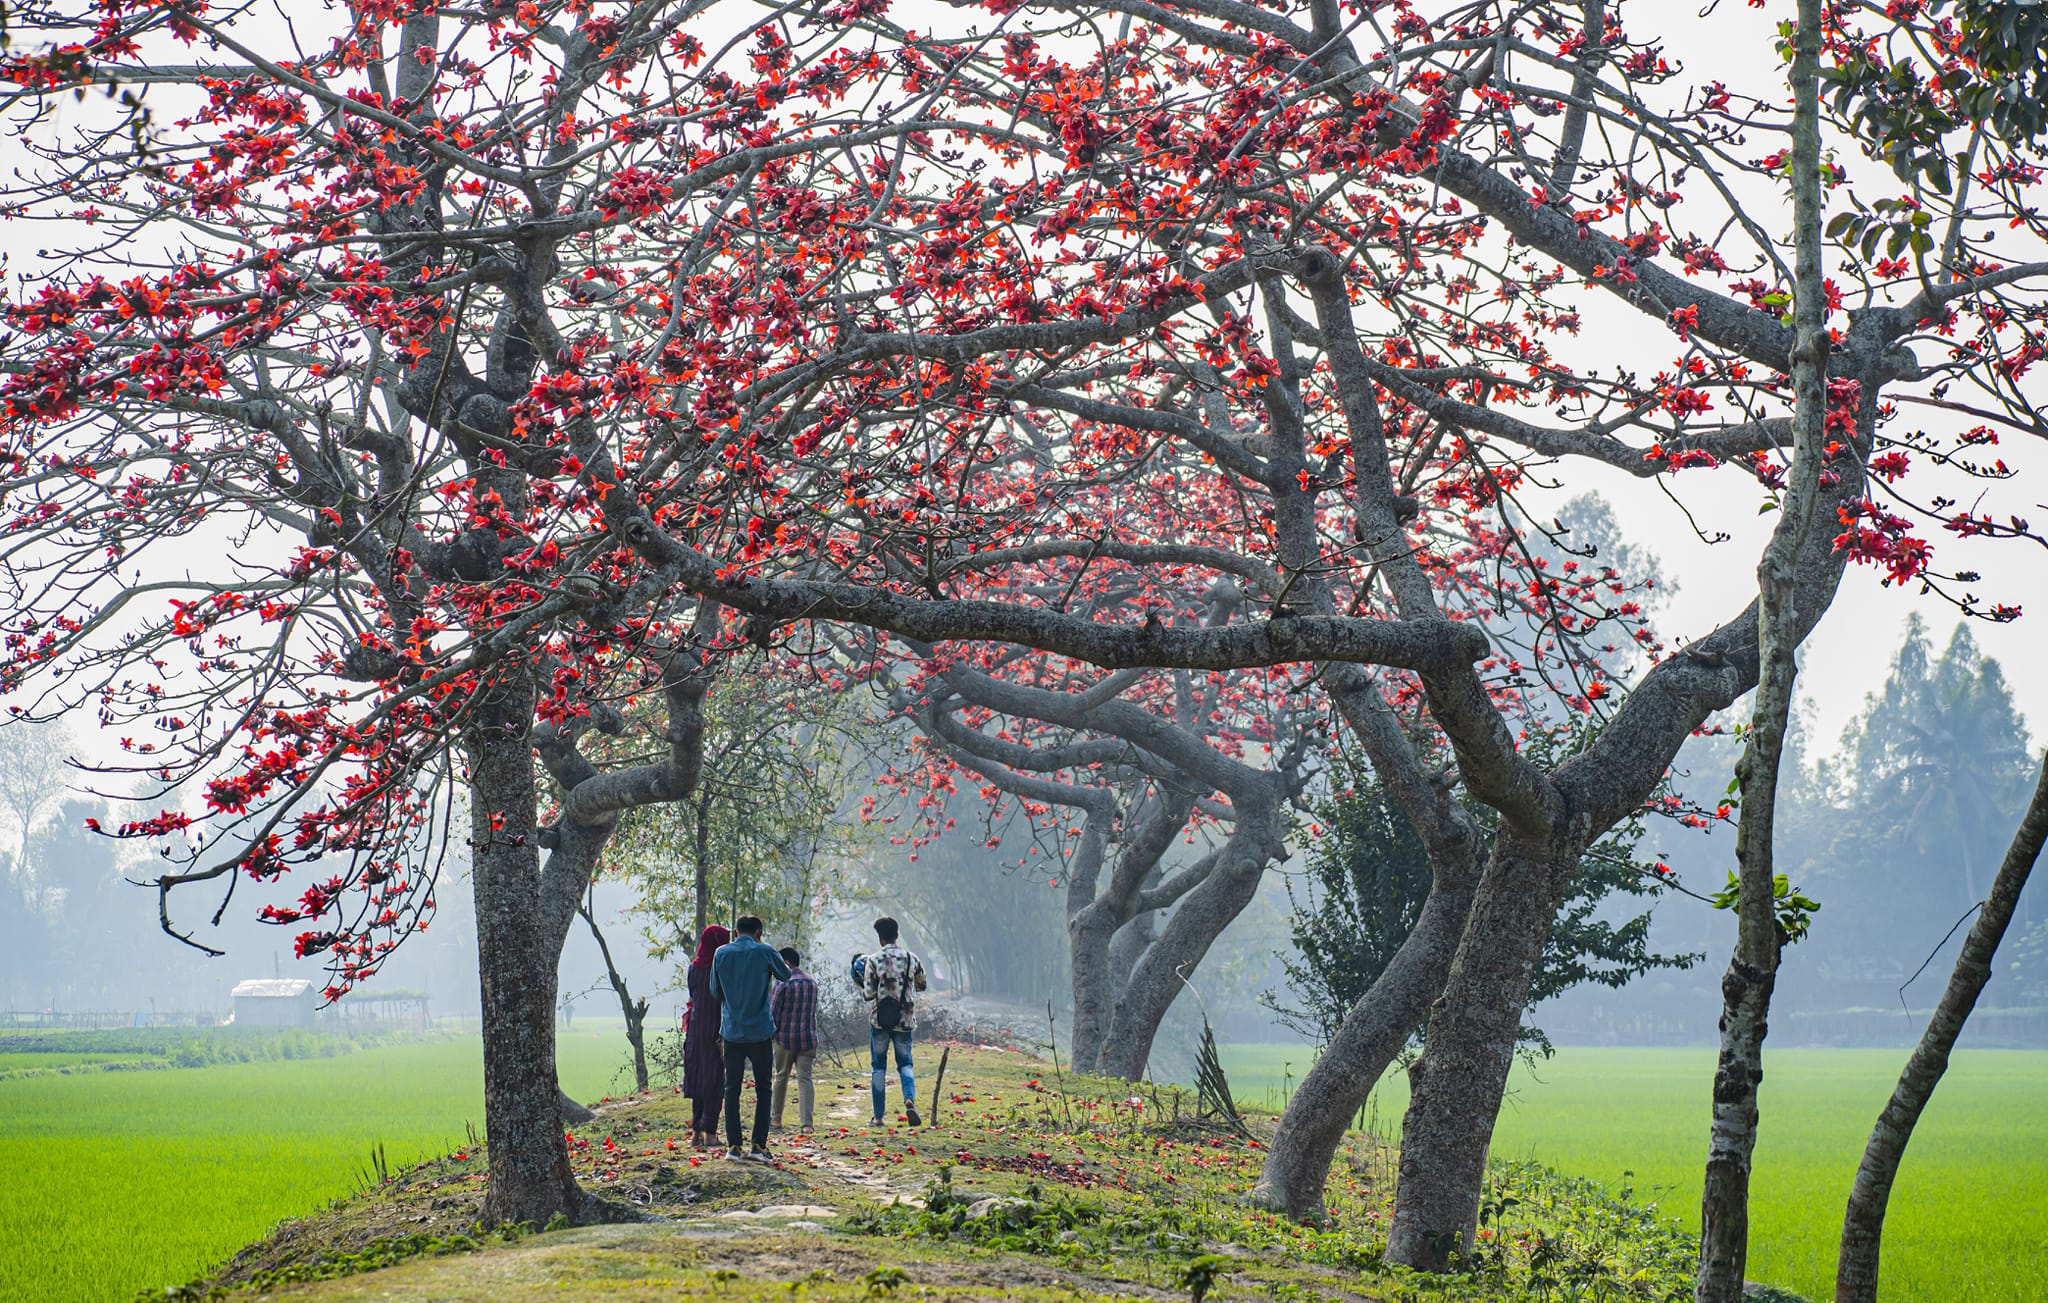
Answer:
(708, 944)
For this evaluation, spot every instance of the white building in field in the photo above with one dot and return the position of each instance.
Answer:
(274, 1002)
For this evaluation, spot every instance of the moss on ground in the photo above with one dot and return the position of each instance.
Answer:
(1027, 1184)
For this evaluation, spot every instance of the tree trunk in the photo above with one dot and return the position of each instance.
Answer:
(1458, 1082)
(1753, 969)
(1091, 926)
(530, 1179)
(1863, 1226)
(1298, 1162)
(1131, 942)
(636, 1036)
(702, 833)
(1090, 932)
(1198, 919)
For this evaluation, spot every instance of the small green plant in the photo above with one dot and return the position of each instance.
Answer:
(1795, 911)
(882, 1281)
(1198, 1275)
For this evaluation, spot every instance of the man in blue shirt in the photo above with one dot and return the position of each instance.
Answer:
(742, 974)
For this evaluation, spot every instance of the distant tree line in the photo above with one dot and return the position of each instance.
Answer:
(1895, 831)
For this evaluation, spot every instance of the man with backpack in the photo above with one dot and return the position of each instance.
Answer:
(890, 980)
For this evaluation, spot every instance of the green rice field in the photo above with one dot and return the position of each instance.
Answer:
(124, 1180)
(119, 1181)
(1969, 1216)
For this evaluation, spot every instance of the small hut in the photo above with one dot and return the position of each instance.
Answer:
(274, 1002)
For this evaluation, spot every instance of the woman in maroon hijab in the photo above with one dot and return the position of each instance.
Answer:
(703, 1059)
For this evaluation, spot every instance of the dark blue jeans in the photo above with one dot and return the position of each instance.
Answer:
(879, 1042)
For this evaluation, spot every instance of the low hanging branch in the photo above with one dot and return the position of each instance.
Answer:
(1863, 1226)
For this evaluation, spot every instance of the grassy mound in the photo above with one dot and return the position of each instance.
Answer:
(1026, 1185)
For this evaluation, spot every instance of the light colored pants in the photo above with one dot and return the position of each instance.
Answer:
(799, 1062)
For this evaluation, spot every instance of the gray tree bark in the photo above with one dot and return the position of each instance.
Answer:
(1131, 941)
(1856, 1270)
(1297, 1166)
(1747, 986)
(1091, 927)
(1298, 1161)
(1200, 917)
(1124, 977)
(530, 1178)
(1458, 1082)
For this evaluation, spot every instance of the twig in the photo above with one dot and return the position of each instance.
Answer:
(1967, 915)
(1059, 1077)
(939, 1081)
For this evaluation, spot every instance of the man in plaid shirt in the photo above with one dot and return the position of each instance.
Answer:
(890, 979)
(795, 1006)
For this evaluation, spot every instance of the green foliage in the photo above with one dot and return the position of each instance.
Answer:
(1368, 878)
(2008, 43)
(1795, 911)
(1910, 827)
(1905, 109)
(1900, 224)
(762, 834)
(1198, 1275)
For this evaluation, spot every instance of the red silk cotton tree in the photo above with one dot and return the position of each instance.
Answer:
(373, 430)
(1344, 259)
(1118, 771)
(532, 368)
(298, 411)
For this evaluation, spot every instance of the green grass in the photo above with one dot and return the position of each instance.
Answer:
(1965, 1221)
(117, 1181)
(122, 1180)
(1091, 1191)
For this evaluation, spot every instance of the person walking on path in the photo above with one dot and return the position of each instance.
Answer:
(741, 975)
(795, 1009)
(703, 1059)
(890, 980)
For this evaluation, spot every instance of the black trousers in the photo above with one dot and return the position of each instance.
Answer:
(738, 1054)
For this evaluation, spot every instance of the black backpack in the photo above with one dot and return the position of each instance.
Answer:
(888, 1013)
